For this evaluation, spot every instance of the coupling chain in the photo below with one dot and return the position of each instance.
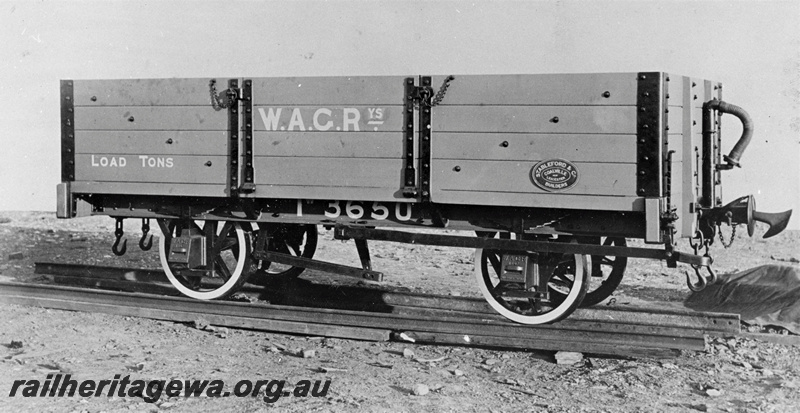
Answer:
(549, 223)
(217, 103)
(442, 90)
(425, 98)
(733, 235)
(702, 242)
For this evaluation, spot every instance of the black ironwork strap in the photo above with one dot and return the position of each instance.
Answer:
(233, 142)
(410, 172)
(425, 142)
(248, 185)
(347, 232)
(67, 131)
(666, 156)
(649, 133)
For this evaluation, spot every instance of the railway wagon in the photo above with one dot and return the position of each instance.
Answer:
(550, 172)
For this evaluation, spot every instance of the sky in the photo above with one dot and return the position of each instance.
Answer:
(753, 48)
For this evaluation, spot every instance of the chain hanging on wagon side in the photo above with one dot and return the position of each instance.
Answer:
(424, 94)
(218, 103)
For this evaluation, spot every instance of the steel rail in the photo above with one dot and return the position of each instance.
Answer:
(306, 293)
(462, 321)
(349, 324)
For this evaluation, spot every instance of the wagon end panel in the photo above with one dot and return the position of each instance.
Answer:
(549, 141)
(330, 138)
(688, 150)
(150, 137)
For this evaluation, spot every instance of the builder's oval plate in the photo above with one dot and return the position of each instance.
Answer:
(554, 175)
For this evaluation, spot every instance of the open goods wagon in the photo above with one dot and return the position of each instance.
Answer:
(553, 172)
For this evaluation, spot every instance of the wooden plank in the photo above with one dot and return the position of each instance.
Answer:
(150, 118)
(676, 89)
(525, 147)
(675, 120)
(150, 188)
(207, 169)
(331, 119)
(541, 89)
(356, 90)
(152, 142)
(539, 200)
(675, 143)
(145, 92)
(616, 120)
(332, 193)
(332, 172)
(689, 183)
(511, 176)
(333, 145)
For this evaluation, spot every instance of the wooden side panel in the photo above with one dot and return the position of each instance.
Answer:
(150, 118)
(511, 176)
(329, 178)
(549, 200)
(534, 147)
(329, 91)
(329, 138)
(150, 188)
(153, 142)
(322, 192)
(330, 119)
(536, 119)
(606, 89)
(334, 172)
(328, 145)
(145, 168)
(145, 92)
(151, 136)
(490, 131)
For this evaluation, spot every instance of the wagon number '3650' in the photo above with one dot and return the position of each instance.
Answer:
(362, 210)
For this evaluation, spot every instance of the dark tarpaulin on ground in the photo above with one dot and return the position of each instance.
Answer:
(765, 295)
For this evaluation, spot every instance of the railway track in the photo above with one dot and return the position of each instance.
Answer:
(301, 307)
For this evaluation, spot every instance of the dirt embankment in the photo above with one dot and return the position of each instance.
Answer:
(733, 374)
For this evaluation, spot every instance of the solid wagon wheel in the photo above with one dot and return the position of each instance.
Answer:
(230, 268)
(290, 239)
(606, 272)
(567, 275)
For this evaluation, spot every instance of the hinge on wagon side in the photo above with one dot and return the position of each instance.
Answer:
(417, 97)
(248, 185)
(67, 131)
(410, 97)
(233, 141)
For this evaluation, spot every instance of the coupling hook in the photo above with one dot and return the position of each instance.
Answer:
(145, 229)
(701, 281)
(119, 233)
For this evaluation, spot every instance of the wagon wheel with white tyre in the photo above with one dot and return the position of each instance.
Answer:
(299, 240)
(229, 268)
(605, 272)
(566, 274)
